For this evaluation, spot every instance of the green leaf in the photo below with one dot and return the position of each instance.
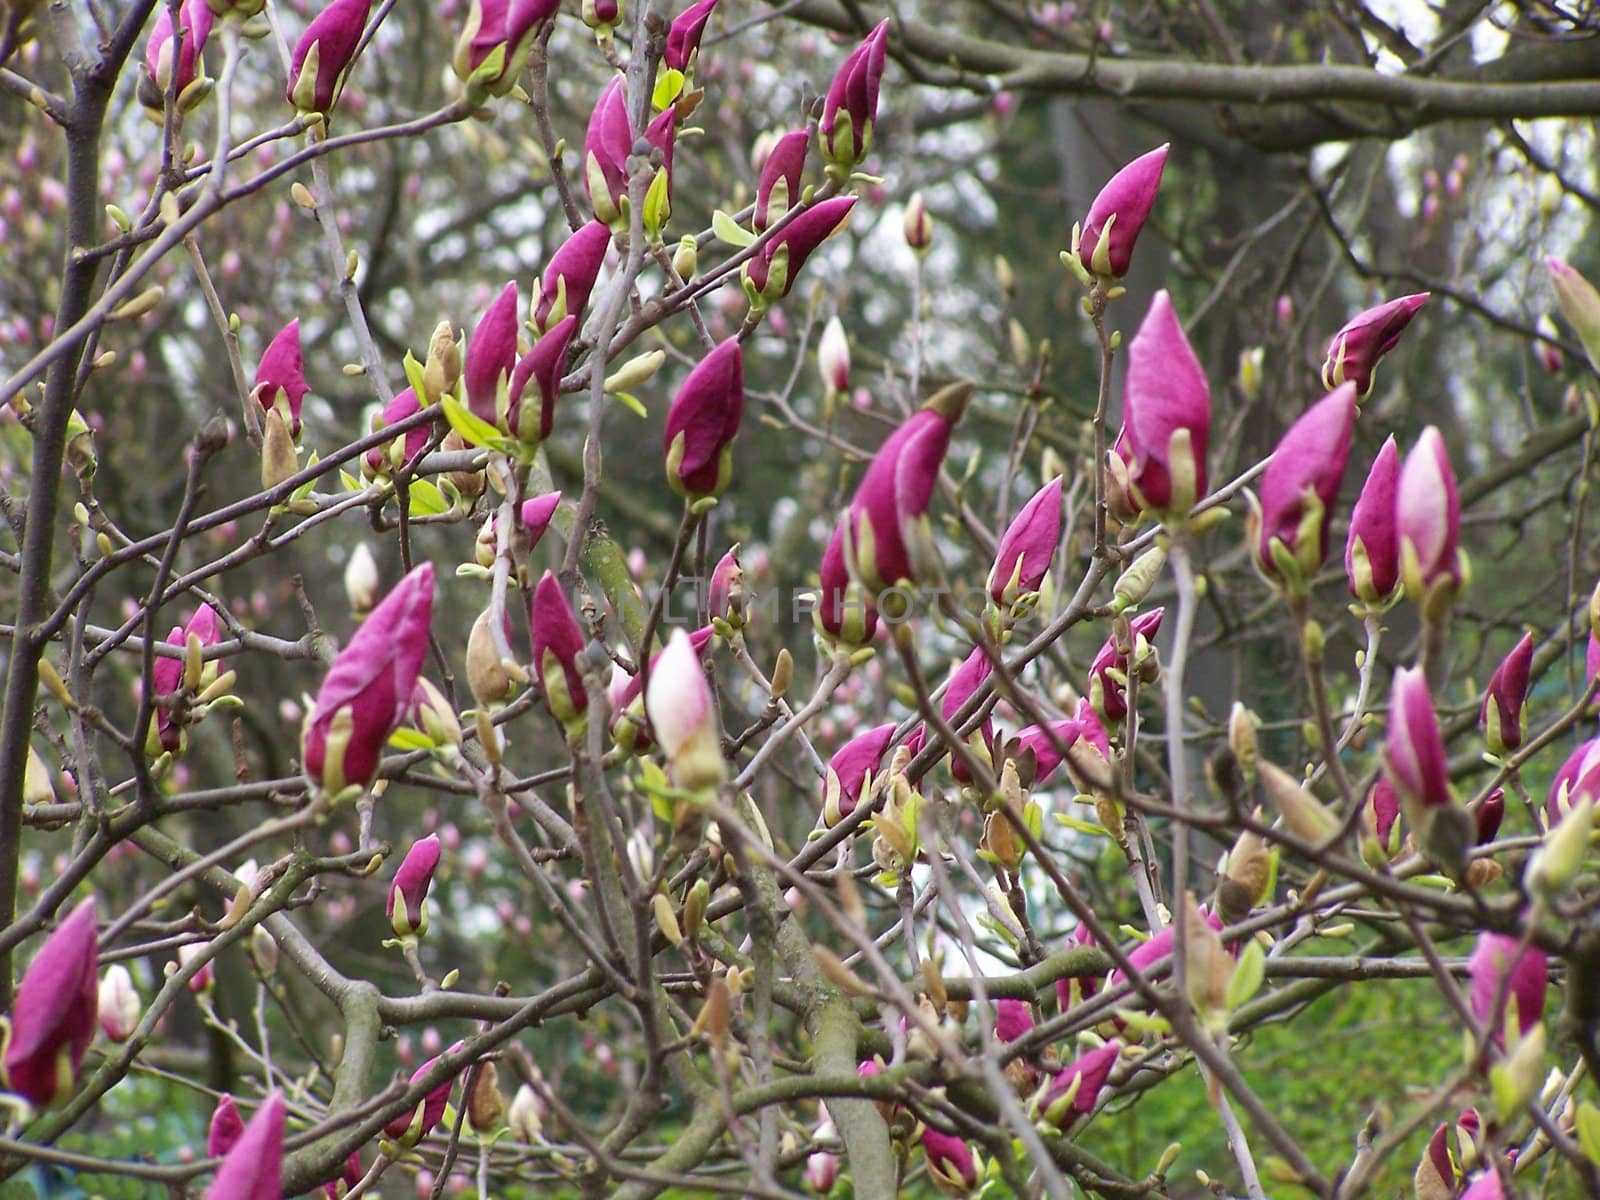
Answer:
(730, 231)
(1247, 975)
(632, 403)
(426, 499)
(406, 738)
(668, 84)
(351, 483)
(657, 204)
(414, 375)
(1088, 827)
(1589, 1131)
(474, 430)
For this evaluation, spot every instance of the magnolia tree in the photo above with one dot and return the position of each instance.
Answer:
(411, 788)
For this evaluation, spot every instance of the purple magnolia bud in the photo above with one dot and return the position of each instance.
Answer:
(703, 422)
(1082, 1081)
(495, 42)
(1159, 459)
(844, 614)
(1012, 1019)
(1108, 673)
(1414, 753)
(349, 1177)
(850, 772)
(967, 679)
(851, 105)
(1288, 527)
(536, 515)
(1440, 1172)
(253, 1169)
(407, 904)
(1501, 967)
(1355, 350)
(323, 55)
(177, 67)
(683, 716)
(890, 507)
(1382, 819)
(570, 277)
(381, 459)
(1489, 816)
(1502, 716)
(607, 145)
(1428, 517)
(492, 357)
(1591, 659)
(1074, 989)
(725, 593)
(951, 1165)
(167, 675)
(1041, 741)
(1090, 729)
(558, 643)
(1372, 553)
(365, 693)
(1578, 777)
(281, 376)
(822, 1171)
(683, 38)
(1105, 243)
(542, 366)
(55, 1011)
(1028, 547)
(227, 1126)
(119, 1007)
(778, 188)
(772, 272)
(416, 1123)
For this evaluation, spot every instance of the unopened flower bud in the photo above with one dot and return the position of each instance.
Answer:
(361, 582)
(1134, 584)
(486, 1108)
(119, 1005)
(918, 225)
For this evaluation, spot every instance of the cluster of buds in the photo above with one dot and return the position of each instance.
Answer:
(888, 542)
(897, 826)
(849, 775)
(608, 152)
(365, 694)
(1039, 750)
(324, 54)
(1157, 465)
(1288, 525)
(496, 380)
(381, 460)
(850, 109)
(54, 1014)
(187, 688)
(173, 62)
(1123, 652)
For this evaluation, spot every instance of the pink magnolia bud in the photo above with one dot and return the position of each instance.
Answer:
(1501, 967)
(407, 904)
(1578, 776)
(833, 356)
(627, 711)
(951, 1165)
(1041, 741)
(773, 270)
(1088, 1075)
(703, 422)
(850, 772)
(1486, 1187)
(323, 55)
(1156, 949)
(1382, 819)
(1283, 309)
(1548, 352)
(349, 1177)
(967, 679)
(119, 1007)
(1502, 716)
(778, 188)
(1442, 1168)
(382, 459)
(169, 66)
(1288, 527)
(1372, 551)
(1028, 547)
(226, 1128)
(1159, 458)
(492, 357)
(364, 695)
(558, 643)
(889, 512)
(1074, 989)
(570, 277)
(253, 1169)
(201, 982)
(683, 37)
(684, 718)
(536, 515)
(494, 44)
(917, 225)
(1105, 243)
(167, 676)
(416, 1123)
(851, 106)
(725, 594)
(1108, 673)
(844, 615)
(1012, 1019)
(1354, 352)
(1428, 517)
(541, 366)
(281, 376)
(822, 1171)
(1580, 304)
(1414, 753)
(607, 145)
(54, 1013)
